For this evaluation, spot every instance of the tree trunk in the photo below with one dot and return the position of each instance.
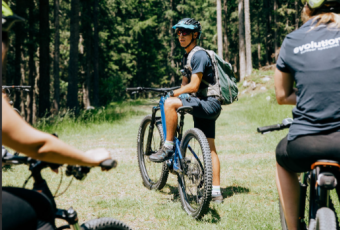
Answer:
(72, 89)
(258, 42)
(268, 30)
(172, 48)
(275, 23)
(242, 69)
(95, 54)
(31, 65)
(219, 29)
(44, 57)
(297, 19)
(88, 49)
(56, 56)
(248, 38)
(225, 38)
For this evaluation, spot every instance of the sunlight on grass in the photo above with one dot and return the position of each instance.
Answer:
(247, 169)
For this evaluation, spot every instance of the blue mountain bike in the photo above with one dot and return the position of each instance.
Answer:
(191, 161)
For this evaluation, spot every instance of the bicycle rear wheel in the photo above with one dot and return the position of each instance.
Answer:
(104, 224)
(154, 175)
(325, 219)
(195, 183)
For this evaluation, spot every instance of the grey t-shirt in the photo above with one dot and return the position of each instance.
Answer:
(312, 56)
(201, 63)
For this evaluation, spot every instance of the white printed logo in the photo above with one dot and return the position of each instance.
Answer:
(314, 46)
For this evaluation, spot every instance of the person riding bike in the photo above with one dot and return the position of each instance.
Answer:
(206, 110)
(310, 57)
(17, 212)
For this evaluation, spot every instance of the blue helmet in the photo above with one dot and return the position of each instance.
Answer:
(190, 24)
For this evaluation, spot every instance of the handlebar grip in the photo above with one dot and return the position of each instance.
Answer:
(269, 128)
(109, 164)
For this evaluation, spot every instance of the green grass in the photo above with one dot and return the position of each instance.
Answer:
(247, 170)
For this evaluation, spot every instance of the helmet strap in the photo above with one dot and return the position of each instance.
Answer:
(192, 39)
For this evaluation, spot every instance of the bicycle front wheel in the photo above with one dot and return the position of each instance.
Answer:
(104, 224)
(325, 219)
(154, 175)
(195, 182)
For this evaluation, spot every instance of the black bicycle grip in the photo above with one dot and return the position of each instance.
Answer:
(109, 164)
(270, 128)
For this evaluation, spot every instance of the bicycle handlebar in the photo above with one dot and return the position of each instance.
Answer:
(143, 89)
(79, 172)
(286, 123)
(16, 87)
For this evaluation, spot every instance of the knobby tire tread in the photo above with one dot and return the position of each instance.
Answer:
(204, 207)
(325, 219)
(165, 171)
(104, 224)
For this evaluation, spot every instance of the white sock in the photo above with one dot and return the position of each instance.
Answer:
(216, 191)
(169, 144)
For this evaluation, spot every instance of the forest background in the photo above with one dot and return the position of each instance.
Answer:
(76, 54)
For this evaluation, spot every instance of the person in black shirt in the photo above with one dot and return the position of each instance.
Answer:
(205, 109)
(310, 57)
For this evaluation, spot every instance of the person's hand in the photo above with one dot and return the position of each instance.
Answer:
(184, 96)
(98, 155)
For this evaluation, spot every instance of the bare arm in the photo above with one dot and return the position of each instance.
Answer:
(20, 136)
(191, 87)
(285, 93)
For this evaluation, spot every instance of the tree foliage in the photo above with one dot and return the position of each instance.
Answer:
(136, 45)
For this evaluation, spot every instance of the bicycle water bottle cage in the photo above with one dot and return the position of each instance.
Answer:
(327, 180)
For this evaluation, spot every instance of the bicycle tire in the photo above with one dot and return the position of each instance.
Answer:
(196, 205)
(154, 175)
(104, 224)
(282, 217)
(325, 219)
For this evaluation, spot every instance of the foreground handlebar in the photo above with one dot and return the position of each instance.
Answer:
(286, 123)
(109, 164)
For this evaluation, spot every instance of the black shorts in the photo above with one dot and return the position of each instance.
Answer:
(205, 113)
(26, 209)
(298, 155)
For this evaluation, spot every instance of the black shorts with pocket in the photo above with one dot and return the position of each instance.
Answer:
(205, 113)
(298, 155)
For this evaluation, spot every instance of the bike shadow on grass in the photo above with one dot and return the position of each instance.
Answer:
(232, 190)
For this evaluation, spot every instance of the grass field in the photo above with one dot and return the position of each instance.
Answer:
(247, 170)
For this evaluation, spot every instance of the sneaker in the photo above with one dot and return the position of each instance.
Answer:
(217, 199)
(162, 155)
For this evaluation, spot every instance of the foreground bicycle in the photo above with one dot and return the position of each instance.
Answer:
(42, 193)
(191, 161)
(322, 178)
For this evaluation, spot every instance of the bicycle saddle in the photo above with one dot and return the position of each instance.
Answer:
(326, 163)
(184, 109)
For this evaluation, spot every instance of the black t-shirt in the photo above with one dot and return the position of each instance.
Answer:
(201, 63)
(312, 56)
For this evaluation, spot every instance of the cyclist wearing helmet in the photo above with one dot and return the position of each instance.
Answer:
(309, 56)
(205, 109)
(17, 212)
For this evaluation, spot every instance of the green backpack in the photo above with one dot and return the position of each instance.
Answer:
(225, 88)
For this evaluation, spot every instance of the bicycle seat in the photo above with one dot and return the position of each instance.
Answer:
(325, 163)
(184, 109)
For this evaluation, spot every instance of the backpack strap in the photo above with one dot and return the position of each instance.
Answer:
(191, 54)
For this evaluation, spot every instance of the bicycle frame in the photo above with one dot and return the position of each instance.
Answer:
(176, 162)
(318, 196)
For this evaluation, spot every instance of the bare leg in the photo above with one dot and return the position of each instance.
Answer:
(170, 108)
(289, 191)
(215, 162)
